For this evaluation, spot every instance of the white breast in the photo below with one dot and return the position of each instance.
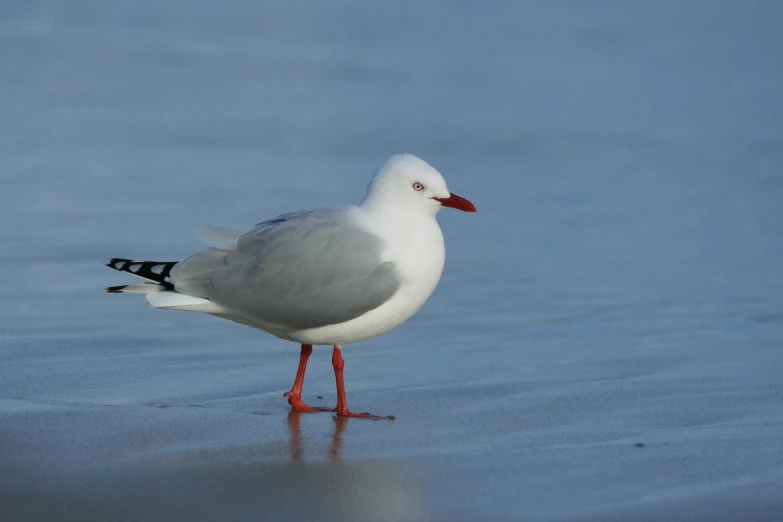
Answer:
(415, 245)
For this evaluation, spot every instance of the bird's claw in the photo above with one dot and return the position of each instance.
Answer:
(300, 407)
(363, 415)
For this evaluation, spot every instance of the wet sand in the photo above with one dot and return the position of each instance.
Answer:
(605, 343)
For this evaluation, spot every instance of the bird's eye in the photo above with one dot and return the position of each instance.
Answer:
(418, 187)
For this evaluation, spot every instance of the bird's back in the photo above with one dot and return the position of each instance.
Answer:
(297, 271)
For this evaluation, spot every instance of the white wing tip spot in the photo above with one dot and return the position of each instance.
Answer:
(134, 267)
(158, 269)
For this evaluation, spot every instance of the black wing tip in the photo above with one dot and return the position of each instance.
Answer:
(115, 289)
(115, 261)
(157, 271)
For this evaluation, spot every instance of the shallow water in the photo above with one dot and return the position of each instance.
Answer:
(605, 343)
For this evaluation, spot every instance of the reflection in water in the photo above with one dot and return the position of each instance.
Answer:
(337, 437)
(252, 482)
(297, 446)
(295, 430)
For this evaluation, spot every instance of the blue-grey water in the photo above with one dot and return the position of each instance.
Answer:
(606, 341)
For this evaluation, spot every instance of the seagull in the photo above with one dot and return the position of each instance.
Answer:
(325, 276)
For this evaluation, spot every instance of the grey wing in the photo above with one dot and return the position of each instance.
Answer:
(298, 271)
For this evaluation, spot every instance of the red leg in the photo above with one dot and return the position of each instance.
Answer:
(342, 404)
(295, 394)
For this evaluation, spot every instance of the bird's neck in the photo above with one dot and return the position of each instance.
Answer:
(415, 231)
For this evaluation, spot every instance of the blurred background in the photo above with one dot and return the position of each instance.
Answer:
(605, 343)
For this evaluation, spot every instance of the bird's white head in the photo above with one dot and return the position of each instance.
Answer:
(409, 183)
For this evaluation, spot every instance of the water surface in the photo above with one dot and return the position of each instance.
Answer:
(605, 343)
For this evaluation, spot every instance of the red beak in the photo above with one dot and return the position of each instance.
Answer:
(455, 201)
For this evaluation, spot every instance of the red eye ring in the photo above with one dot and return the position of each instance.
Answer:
(418, 187)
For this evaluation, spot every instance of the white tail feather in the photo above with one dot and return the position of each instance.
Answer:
(175, 301)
